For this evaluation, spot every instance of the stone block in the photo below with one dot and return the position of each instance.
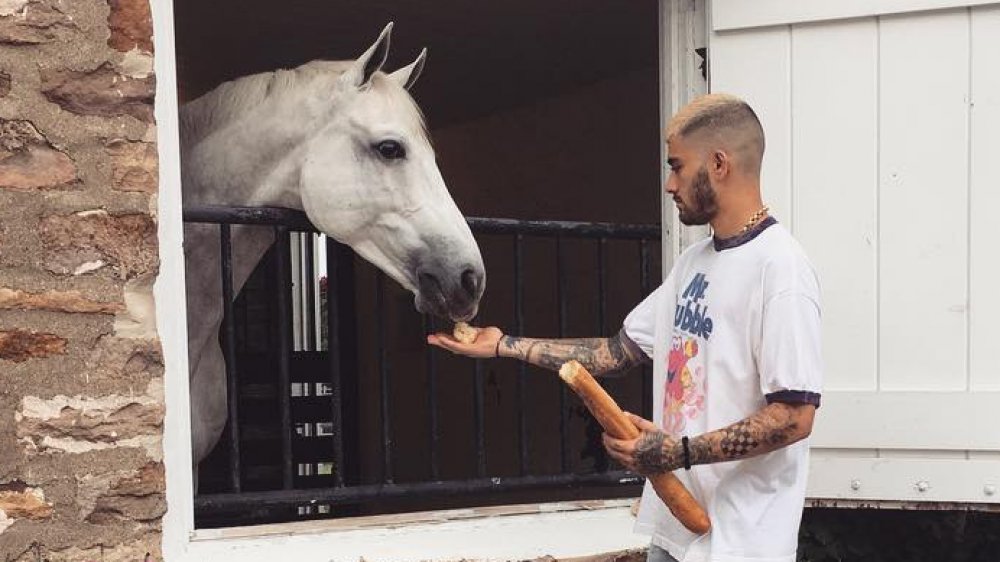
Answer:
(27, 22)
(131, 24)
(80, 424)
(20, 501)
(134, 166)
(20, 345)
(28, 161)
(101, 91)
(57, 301)
(136, 496)
(90, 240)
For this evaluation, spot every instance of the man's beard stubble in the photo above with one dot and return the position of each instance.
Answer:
(704, 205)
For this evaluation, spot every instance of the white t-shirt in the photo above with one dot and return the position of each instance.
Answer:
(736, 325)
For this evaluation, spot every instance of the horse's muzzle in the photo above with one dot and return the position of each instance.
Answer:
(451, 293)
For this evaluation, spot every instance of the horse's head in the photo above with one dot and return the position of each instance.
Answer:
(370, 180)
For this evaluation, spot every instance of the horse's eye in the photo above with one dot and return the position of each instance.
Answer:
(390, 150)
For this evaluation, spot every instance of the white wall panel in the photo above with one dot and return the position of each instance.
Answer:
(756, 66)
(923, 201)
(740, 14)
(883, 133)
(945, 421)
(939, 480)
(984, 202)
(834, 181)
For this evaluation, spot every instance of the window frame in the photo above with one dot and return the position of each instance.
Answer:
(561, 529)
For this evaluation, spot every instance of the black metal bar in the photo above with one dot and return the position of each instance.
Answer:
(297, 220)
(563, 399)
(522, 367)
(383, 368)
(214, 503)
(309, 339)
(334, 357)
(479, 417)
(644, 263)
(232, 375)
(576, 229)
(284, 285)
(272, 216)
(602, 455)
(431, 363)
(644, 288)
(602, 244)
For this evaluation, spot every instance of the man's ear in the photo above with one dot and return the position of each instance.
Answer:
(720, 164)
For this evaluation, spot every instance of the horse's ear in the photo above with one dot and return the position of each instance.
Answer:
(370, 62)
(408, 75)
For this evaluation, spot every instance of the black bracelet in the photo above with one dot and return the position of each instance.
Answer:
(687, 453)
(496, 353)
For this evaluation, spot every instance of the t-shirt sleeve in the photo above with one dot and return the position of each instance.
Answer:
(790, 359)
(640, 324)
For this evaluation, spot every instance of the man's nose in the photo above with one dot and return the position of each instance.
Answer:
(668, 185)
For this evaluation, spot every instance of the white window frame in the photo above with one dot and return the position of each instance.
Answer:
(564, 529)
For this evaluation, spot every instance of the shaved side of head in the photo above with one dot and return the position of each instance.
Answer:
(722, 122)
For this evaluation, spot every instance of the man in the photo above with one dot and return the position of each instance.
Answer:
(734, 335)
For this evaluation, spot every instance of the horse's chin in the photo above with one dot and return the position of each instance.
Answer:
(444, 312)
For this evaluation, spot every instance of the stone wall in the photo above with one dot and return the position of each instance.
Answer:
(81, 372)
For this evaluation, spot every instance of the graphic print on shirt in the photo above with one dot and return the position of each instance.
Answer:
(684, 396)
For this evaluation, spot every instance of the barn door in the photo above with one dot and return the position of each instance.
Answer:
(881, 157)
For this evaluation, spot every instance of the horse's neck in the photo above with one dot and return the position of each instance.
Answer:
(235, 143)
(238, 140)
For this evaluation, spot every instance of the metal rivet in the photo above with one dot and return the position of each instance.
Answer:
(923, 486)
(855, 484)
(990, 489)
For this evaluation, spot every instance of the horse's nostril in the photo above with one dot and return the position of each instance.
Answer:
(471, 281)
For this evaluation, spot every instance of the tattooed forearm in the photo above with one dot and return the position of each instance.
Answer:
(656, 453)
(599, 355)
(772, 427)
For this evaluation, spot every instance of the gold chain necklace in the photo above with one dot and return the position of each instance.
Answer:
(754, 219)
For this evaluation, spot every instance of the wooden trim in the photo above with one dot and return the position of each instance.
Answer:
(956, 421)
(401, 519)
(529, 532)
(904, 480)
(730, 15)
(683, 29)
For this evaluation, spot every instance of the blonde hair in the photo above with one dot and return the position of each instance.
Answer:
(722, 121)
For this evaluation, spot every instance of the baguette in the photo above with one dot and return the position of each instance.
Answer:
(673, 493)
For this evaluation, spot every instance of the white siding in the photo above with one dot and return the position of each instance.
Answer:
(882, 135)
(984, 202)
(740, 14)
(757, 66)
(923, 201)
(835, 137)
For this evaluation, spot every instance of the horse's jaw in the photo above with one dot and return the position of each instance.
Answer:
(447, 278)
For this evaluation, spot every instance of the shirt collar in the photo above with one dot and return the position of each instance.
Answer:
(721, 244)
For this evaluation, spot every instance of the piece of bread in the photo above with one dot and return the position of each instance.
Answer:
(611, 417)
(464, 332)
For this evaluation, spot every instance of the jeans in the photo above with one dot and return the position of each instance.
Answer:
(657, 554)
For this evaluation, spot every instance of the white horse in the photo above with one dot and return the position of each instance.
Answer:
(343, 142)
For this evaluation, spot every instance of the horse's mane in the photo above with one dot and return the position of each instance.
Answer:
(230, 99)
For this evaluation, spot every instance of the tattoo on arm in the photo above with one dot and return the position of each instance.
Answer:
(654, 453)
(772, 427)
(599, 355)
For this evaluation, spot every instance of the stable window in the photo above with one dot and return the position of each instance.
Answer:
(546, 115)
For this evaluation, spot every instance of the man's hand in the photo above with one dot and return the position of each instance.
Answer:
(485, 344)
(653, 452)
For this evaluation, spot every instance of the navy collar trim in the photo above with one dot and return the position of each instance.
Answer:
(741, 239)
